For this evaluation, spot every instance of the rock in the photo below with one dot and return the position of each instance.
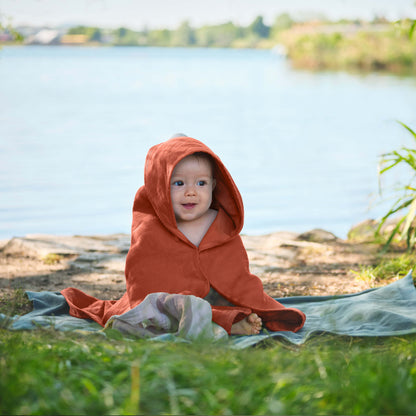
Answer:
(317, 235)
(39, 245)
(36, 248)
(268, 241)
(114, 263)
(3, 244)
(363, 231)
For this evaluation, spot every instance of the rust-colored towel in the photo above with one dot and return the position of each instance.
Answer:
(162, 259)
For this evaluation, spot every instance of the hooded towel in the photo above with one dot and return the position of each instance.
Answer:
(162, 259)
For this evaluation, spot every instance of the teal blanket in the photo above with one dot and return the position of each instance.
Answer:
(384, 311)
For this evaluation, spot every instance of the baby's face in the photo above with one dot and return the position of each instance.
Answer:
(191, 189)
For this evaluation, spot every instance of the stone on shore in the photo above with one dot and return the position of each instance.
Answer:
(365, 231)
(317, 235)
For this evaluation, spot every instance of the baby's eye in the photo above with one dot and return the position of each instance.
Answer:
(201, 183)
(178, 183)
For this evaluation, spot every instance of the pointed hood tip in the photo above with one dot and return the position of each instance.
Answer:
(176, 135)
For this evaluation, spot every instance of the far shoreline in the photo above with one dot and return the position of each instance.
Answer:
(305, 231)
(29, 235)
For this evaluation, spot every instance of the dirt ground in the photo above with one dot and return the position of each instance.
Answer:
(289, 264)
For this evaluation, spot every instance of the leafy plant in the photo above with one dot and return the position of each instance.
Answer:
(387, 268)
(15, 302)
(17, 37)
(412, 29)
(407, 194)
(52, 258)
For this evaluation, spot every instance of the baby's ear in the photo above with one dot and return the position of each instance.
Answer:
(214, 183)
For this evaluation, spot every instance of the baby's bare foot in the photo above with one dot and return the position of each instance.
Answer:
(250, 325)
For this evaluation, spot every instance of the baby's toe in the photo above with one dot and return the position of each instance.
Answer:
(252, 318)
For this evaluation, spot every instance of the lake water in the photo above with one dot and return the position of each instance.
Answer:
(76, 124)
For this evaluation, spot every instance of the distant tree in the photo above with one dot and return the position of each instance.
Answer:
(17, 36)
(126, 37)
(121, 32)
(93, 34)
(259, 28)
(379, 20)
(219, 35)
(282, 22)
(184, 35)
(159, 37)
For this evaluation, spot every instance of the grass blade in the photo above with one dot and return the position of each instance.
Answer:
(409, 219)
(412, 29)
(393, 233)
(408, 128)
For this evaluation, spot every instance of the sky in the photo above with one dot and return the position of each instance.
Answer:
(137, 14)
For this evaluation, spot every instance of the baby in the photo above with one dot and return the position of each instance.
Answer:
(192, 185)
(185, 239)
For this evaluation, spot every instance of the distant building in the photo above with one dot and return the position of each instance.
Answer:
(6, 37)
(44, 37)
(74, 39)
(107, 38)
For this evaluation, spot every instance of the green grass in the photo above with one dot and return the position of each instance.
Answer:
(15, 303)
(47, 372)
(388, 268)
(52, 372)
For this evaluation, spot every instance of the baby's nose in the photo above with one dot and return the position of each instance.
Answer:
(190, 190)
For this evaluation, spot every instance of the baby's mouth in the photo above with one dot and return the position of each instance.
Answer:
(188, 206)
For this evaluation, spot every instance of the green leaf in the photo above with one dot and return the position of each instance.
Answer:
(89, 385)
(398, 206)
(393, 233)
(389, 167)
(408, 128)
(412, 29)
(392, 211)
(409, 218)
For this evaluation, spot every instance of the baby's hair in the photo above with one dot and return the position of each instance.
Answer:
(209, 159)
